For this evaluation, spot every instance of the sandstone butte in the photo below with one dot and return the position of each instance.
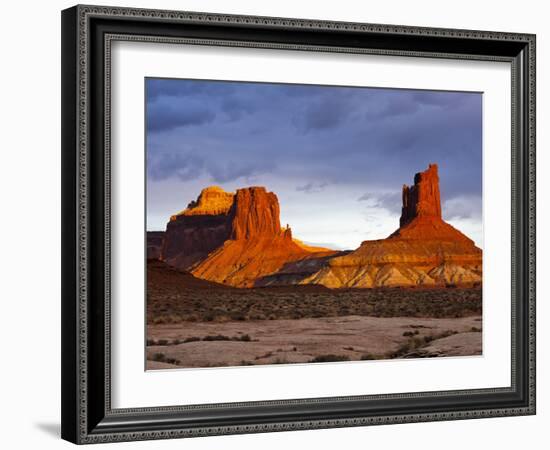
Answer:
(237, 239)
(234, 239)
(424, 251)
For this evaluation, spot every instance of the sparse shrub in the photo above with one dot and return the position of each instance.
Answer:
(246, 363)
(161, 357)
(256, 316)
(329, 358)
(475, 329)
(445, 334)
(158, 357)
(267, 355)
(174, 361)
(192, 339)
(237, 316)
(217, 337)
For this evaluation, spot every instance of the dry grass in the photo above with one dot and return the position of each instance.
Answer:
(410, 348)
(211, 337)
(175, 306)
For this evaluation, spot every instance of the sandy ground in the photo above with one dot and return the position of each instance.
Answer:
(237, 343)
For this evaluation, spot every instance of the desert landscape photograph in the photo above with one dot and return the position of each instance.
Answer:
(307, 224)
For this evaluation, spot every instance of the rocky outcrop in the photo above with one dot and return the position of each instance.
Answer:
(255, 215)
(212, 201)
(398, 262)
(257, 247)
(192, 234)
(421, 211)
(199, 229)
(234, 239)
(424, 251)
(422, 199)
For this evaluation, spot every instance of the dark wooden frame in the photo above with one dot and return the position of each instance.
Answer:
(87, 32)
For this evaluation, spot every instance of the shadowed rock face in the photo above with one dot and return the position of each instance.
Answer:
(199, 229)
(190, 238)
(425, 250)
(155, 241)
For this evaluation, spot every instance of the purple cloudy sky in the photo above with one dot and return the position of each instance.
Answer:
(335, 156)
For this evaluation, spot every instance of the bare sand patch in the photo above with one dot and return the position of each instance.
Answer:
(283, 341)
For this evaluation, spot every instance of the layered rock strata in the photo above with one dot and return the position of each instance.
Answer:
(192, 234)
(424, 251)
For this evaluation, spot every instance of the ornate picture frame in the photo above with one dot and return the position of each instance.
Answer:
(88, 33)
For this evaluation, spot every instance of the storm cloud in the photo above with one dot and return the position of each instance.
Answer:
(390, 201)
(303, 140)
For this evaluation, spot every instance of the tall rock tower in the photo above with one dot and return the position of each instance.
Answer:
(422, 198)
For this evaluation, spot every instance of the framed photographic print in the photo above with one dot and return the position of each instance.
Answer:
(279, 224)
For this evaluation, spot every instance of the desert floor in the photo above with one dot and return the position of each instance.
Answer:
(323, 339)
(196, 323)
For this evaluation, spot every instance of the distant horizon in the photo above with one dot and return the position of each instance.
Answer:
(336, 157)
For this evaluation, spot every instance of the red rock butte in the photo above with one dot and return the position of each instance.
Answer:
(421, 211)
(234, 239)
(237, 239)
(424, 250)
(421, 199)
